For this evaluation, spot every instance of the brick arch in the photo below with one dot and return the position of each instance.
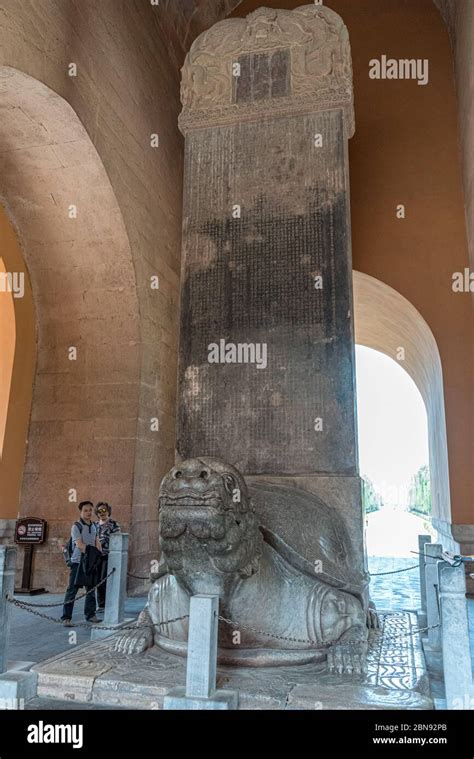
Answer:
(7, 351)
(82, 431)
(17, 366)
(386, 321)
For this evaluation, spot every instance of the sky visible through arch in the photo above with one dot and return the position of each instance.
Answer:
(393, 426)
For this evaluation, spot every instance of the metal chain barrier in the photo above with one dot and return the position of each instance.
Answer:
(338, 579)
(267, 634)
(325, 646)
(88, 625)
(289, 639)
(456, 562)
(77, 598)
(395, 571)
(232, 623)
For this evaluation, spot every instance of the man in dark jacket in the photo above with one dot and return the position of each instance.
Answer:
(84, 533)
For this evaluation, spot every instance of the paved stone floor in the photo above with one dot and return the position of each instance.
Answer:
(395, 591)
(35, 639)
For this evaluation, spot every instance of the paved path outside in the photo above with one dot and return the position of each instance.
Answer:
(395, 591)
(394, 532)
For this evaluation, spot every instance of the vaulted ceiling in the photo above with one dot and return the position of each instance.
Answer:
(191, 17)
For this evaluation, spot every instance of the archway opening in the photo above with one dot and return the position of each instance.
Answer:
(7, 347)
(394, 458)
(388, 323)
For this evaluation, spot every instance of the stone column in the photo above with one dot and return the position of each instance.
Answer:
(267, 376)
(457, 664)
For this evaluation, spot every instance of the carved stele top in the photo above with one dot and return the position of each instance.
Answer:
(312, 70)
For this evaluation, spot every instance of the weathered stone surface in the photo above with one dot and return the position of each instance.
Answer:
(349, 696)
(128, 57)
(251, 280)
(340, 496)
(290, 61)
(267, 246)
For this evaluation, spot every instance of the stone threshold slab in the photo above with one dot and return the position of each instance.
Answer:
(95, 674)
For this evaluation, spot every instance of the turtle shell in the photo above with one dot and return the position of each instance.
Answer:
(309, 534)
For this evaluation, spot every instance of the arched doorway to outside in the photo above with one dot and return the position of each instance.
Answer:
(388, 324)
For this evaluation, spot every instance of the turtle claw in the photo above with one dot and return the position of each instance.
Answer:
(373, 621)
(134, 641)
(347, 659)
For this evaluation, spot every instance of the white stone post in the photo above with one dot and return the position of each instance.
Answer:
(17, 684)
(433, 556)
(457, 665)
(422, 541)
(7, 584)
(202, 647)
(200, 691)
(114, 615)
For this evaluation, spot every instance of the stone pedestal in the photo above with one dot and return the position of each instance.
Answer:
(267, 375)
(396, 679)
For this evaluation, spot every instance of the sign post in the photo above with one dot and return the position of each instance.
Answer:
(29, 531)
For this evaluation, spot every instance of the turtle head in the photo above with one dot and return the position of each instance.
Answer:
(204, 484)
(208, 527)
